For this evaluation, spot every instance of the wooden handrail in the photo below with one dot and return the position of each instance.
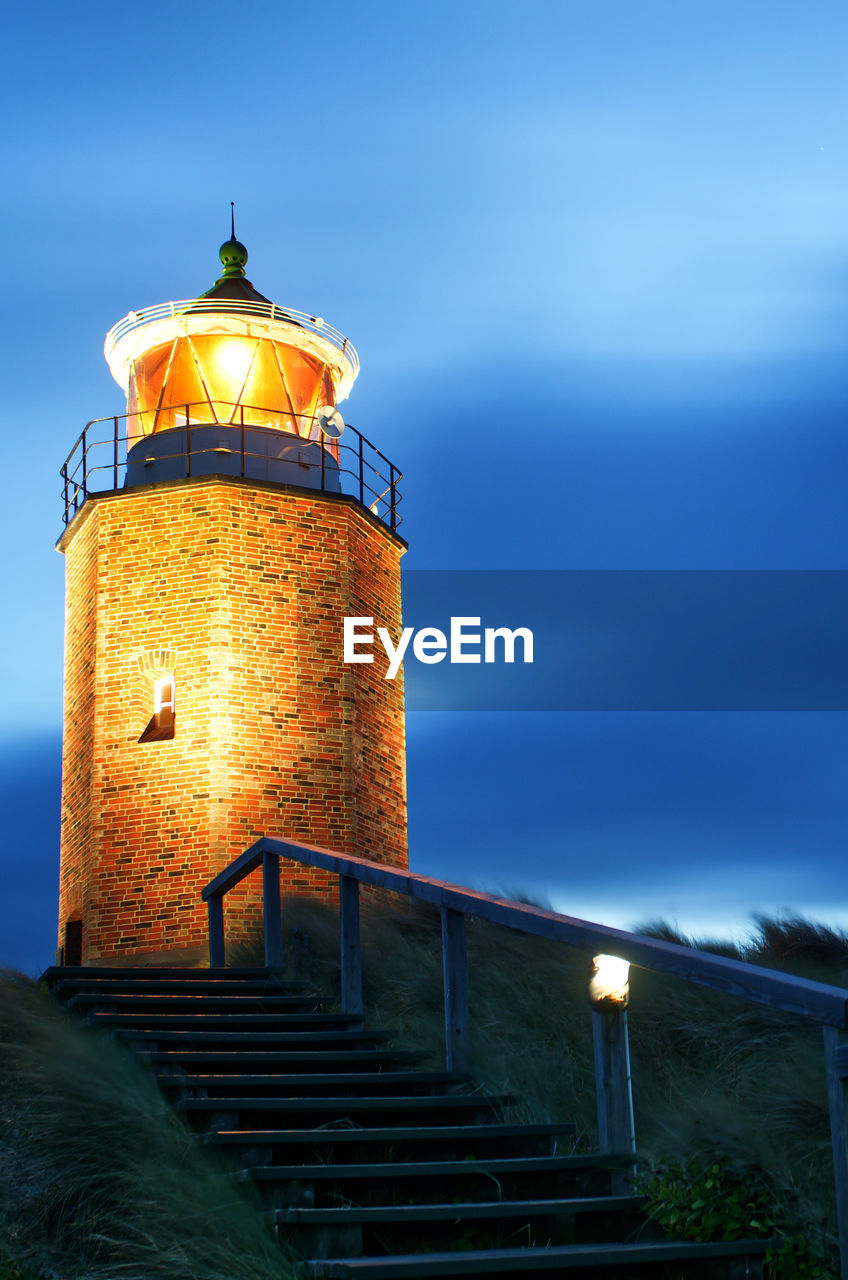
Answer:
(816, 1000)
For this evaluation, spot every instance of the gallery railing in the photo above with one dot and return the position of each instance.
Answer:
(258, 313)
(818, 1001)
(108, 450)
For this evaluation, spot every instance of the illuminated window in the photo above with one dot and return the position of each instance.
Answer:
(161, 725)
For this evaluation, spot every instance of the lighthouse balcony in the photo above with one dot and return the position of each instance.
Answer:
(229, 440)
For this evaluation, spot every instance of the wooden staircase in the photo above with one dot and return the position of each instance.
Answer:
(369, 1165)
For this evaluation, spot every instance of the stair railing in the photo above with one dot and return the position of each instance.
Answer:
(822, 1003)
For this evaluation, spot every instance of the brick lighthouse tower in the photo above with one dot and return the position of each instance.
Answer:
(216, 536)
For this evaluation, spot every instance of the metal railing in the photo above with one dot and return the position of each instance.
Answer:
(98, 461)
(817, 1001)
(251, 311)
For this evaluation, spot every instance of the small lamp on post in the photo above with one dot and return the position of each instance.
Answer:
(609, 991)
(609, 984)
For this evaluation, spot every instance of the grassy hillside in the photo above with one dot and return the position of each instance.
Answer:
(100, 1180)
(717, 1081)
(98, 1177)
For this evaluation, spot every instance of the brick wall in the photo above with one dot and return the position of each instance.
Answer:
(241, 588)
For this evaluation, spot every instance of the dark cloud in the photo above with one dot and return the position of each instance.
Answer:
(30, 785)
(675, 810)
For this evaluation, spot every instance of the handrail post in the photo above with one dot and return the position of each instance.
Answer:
(217, 948)
(272, 910)
(115, 456)
(455, 970)
(350, 945)
(188, 444)
(837, 1096)
(361, 471)
(241, 408)
(394, 496)
(616, 1131)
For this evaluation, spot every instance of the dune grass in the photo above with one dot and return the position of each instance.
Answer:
(99, 1179)
(715, 1078)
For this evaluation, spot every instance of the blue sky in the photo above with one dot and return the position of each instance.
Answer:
(595, 261)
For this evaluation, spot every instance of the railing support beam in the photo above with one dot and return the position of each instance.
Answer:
(837, 1096)
(272, 911)
(217, 950)
(455, 968)
(616, 1130)
(350, 943)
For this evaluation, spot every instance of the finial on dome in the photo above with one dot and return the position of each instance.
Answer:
(232, 253)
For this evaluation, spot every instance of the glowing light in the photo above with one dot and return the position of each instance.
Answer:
(609, 983)
(163, 695)
(233, 358)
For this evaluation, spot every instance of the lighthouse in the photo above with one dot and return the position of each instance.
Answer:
(217, 534)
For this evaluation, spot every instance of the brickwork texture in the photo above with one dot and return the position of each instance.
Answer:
(240, 590)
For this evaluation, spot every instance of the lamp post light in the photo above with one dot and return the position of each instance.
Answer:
(610, 982)
(609, 991)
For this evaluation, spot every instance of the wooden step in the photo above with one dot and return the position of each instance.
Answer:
(485, 1224)
(306, 1085)
(244, 1022)
(489, 1103)
(256, 1145)
(557, 1258)
(139, 1036)
(245, 1059)
(472, 1209)
(418, 1169)
(416, 1181)
(67, 987)
(58, 973)
(242, 1113)
(148, 1006)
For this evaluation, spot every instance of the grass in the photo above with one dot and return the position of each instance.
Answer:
(714, 1077)
(99, 1179)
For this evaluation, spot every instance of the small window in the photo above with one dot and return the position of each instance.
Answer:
(161, 725)
(72, 950)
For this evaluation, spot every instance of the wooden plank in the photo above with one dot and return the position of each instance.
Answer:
(612, 1082)
(394, 1133)
(272, 911)
(350, 945)
(236, 871)
(248, 1037)
(561, 1207)
(346, 1103)
(391, 1169)
(455, 972)
(553, 1258)
(217, 947)
(151, 972)
(837, 1096)
(827, 1004)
